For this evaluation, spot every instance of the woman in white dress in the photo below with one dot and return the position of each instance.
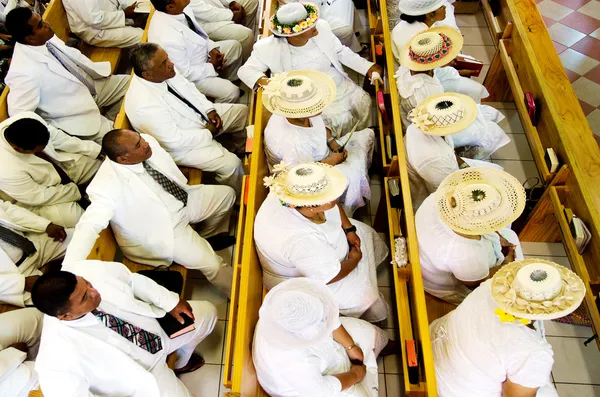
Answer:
(464, 231)
(442, 124)
(420, 76)
(301, 231)
(301, 41)
(302, 348)
(296, 132)
(494, 343)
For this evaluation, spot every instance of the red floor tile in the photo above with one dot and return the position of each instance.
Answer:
(571, 75)
(548, 21)
(588, 46)
(559, 47)
(586, 107)
(594, 74)
(572, 4)
(581, 22)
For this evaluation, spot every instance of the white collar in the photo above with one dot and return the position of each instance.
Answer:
(136, 168)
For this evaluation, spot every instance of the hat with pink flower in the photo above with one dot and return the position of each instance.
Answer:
(294, 19)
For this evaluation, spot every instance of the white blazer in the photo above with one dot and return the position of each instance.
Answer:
(273, 53)
(72, 363)
(34, 182)
(207, 12)
(20, 220)
(188, 50)
(151, 109)
(141, 222)
(87, 18)
(38, 82)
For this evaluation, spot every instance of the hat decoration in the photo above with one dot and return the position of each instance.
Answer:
(429, 47)
(439, 114)
(285, 27)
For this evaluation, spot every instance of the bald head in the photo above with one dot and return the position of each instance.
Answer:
(126, 147)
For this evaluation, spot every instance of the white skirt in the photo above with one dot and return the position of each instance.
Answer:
(484, 133)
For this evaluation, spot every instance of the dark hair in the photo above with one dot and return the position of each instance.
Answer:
(413, 18)
(141, 55)
(17, 23)
(27, 134)
(111, 146)
(51, 292)
(161, 5)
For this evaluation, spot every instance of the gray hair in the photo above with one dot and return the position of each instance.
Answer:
(141, 55)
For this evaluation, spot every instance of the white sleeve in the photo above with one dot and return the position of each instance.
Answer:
(531, 369)
(208, 13)
(71, 144)
(306, 379)
(90, 13)
(346, 56)
(24, 94)
(435, 170)
(313, 258)
(251, 71)
(177, 53)
(24, 189)
(24, 218)
(467, 264)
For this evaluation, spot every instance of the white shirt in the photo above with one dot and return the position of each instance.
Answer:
(474, 352)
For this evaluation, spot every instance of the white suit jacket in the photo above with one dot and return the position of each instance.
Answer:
(273, 53)
(72, 363)
(17, 219)
(34, 182)
(141, 222)
(207, 12)
(39, 83)
(87, 18)
(151, 109)
(188, 50)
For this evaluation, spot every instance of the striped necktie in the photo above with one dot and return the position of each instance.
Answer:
(17, 241)
(167, 184)
(72, 67)
(139, 337)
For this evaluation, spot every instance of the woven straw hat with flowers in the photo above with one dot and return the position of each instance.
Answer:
(294, 19)
(432, 48)
(444, 114)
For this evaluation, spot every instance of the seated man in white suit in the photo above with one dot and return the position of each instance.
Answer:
(103, 23)
(44, 169)
(164, 104)
(212, 66)
(150, 207)
(83, 352)
(27, 243)
(19, 343)
(225, 20)
(58, 82)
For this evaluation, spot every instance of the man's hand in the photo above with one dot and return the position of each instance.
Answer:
(238, 16)
(234, 5)
(216, 58)
(375, 68)
(353, 240)
(130, 11)
(5, 37)
(356, 354)
(182, 307)
(215, 120)
(56, 232)
(29, 281)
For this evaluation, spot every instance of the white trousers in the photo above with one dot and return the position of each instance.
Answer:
(63, 214)
(221, 88)
(211, 207)
(109, 94)
(21, 326)
(231, 31)
(122, 37)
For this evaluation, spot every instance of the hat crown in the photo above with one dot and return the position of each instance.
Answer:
(291, 13)
(419, 7)
(299, 89)
(538, 282)
(476, 200)
(426, 43)
(307, 180)
(445, 111)
(299, 313)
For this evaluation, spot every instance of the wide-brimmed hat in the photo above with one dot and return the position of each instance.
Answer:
(432, 48)
(479, 200)
(419, 7)
(299, 93)
(293, 19)
(307, 184)
(444, 114)
(537, 289)
(299, 312)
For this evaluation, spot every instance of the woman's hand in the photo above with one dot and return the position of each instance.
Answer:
(359, 371)
(375, 68)
(355, 253)
(263, 82)
(356, 355)
(353, 240)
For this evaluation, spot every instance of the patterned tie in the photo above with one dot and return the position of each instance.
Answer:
(139, 337)
(192, 26)
(167, 184)
(72, 67)
(18, 241)
(182, 99)
(64, 178)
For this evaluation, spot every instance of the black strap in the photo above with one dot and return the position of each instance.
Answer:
(182, 99)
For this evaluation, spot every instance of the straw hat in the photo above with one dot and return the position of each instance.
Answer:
(444, 114)
(293, 19)
(307, 184)
(537, 289)
(298, 94)
(432, 48)
(419, 7)
(299, 312)
(479, 200)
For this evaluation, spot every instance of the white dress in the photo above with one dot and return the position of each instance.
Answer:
(474, 352)
(447, 257)
(484, 133)
(414, 89)
(308, 372)
(294, 145)
(351, 104)
(289, 245)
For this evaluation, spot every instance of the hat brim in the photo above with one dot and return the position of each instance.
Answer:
(337, 187)
(509, 187)
(324, 84)
(551, 313)
(469, 108)
(457, 44)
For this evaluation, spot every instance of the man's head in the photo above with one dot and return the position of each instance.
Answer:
(28, 27)
(151, 63)
(126, 147)
(28, 136)
(171, 7)
(64, 295)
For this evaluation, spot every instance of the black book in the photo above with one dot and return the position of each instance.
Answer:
(174, 328)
